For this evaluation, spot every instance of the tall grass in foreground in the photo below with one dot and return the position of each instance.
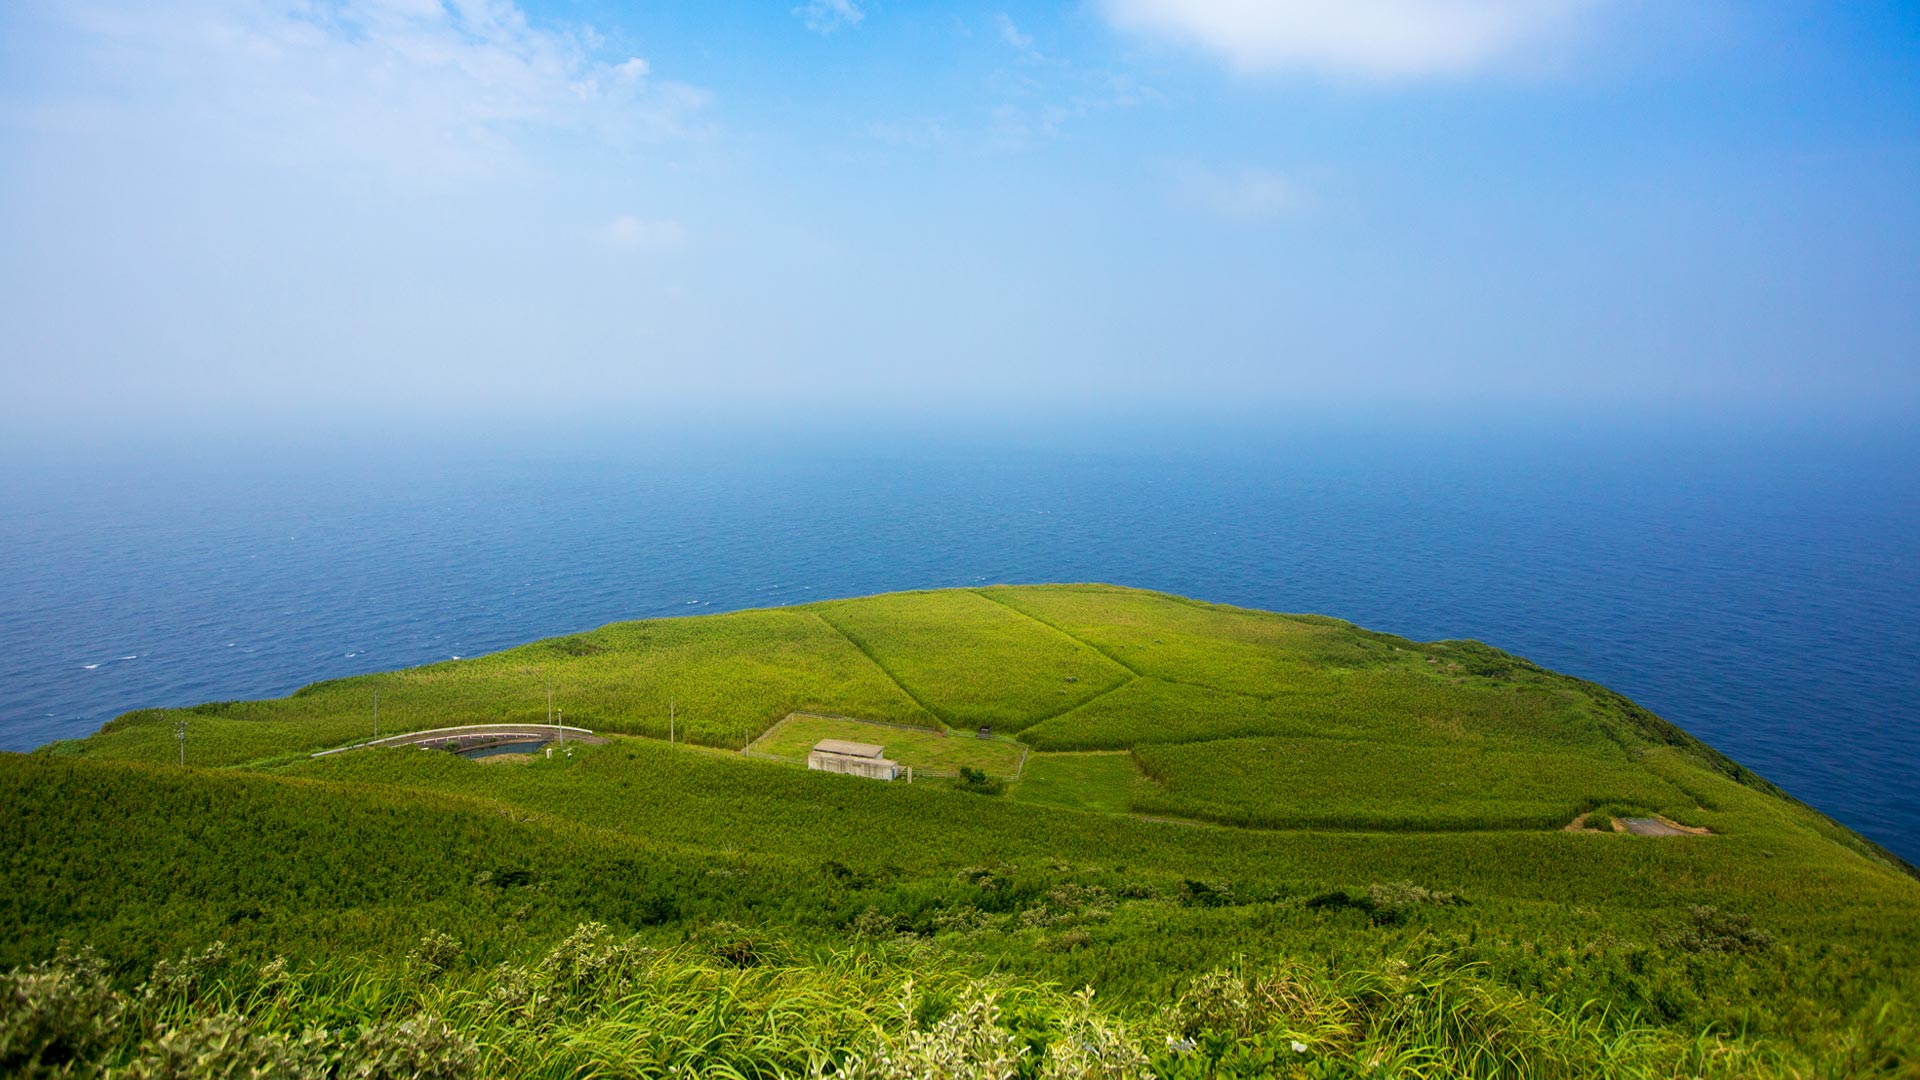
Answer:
(731, 1004)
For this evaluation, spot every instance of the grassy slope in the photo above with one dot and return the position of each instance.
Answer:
(928, 752)
(1244, 717)
(729, 677)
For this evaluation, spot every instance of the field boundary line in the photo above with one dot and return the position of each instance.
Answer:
(805, 714)
(867, 652)
(1069, 710)
(1133, 675)
(1075, 638)
(1138, 674)
(865, 720)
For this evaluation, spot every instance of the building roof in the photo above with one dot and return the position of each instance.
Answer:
(849, 749)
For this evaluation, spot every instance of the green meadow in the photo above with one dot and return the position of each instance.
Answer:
(934, 752)
(1241, 844)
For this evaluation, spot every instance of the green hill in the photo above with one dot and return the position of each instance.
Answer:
(1270, 844)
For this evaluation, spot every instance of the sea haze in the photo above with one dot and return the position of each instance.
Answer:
(1763, 594)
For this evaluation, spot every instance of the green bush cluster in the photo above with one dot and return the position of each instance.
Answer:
(978, 782)
(594, 1003)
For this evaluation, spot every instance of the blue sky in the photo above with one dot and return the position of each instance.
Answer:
(250, 212)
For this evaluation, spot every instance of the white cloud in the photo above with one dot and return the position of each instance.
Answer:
(417, 88)
(1240, 194)
(1011, 34)
(826, 16)
(1376, 39)
(629, 233)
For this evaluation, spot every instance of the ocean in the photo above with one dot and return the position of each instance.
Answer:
(1761, 591)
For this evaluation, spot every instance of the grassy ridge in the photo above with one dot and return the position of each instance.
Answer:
(1408, 798)
(729, 678)
(1327, 783)
(395, 844)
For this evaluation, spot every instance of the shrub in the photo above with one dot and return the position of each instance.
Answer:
(1710, 930)
(421, 1048)
(1206, 893)
(225, 1046)
(1384, 905)
(978, 782)
(1093, 1048)
(519, 993)
(738, 947)
(585, 961)
(965, 919)
(435, 953)
(968, 1044)
(186, 977)
(1215, 1003)
(1065, 941)
(872, 925)
(57, 1018)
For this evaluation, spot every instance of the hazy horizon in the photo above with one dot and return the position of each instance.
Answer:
(367, 214)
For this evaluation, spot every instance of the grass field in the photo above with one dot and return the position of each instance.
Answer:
(1366, 859)
(1106, 781)
(971, 661)
(1328, 783)
(933, 753)
(1148, 710)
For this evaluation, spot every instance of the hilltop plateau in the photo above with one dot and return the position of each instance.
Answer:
(1146, 835)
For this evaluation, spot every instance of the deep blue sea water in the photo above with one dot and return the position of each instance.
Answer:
(1764, 594)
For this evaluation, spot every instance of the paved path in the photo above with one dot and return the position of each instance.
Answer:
(476, 733)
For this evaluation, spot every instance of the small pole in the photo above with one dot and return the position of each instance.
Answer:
(180, 732)
(560, 721)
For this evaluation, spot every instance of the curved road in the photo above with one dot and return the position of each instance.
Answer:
(473, 731)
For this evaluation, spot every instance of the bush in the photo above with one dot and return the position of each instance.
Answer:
(1206, 893)
(738, 947)
(586, 961)
(873, 926)
(1065, 941)
(1710, 930)
(435, 953)
(421, 1048)
(978, 782)
(968, 1044)
(185, 978)
(1384, 905)
(1216, 1003)
(57, 1018)
(225, 1046)
(1093, 1048)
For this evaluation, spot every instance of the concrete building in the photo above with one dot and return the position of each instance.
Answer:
(854, 759)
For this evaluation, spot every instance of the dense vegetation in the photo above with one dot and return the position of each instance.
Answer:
(1269, 844)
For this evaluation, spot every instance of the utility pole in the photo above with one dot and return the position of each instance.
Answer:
(180, 732)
